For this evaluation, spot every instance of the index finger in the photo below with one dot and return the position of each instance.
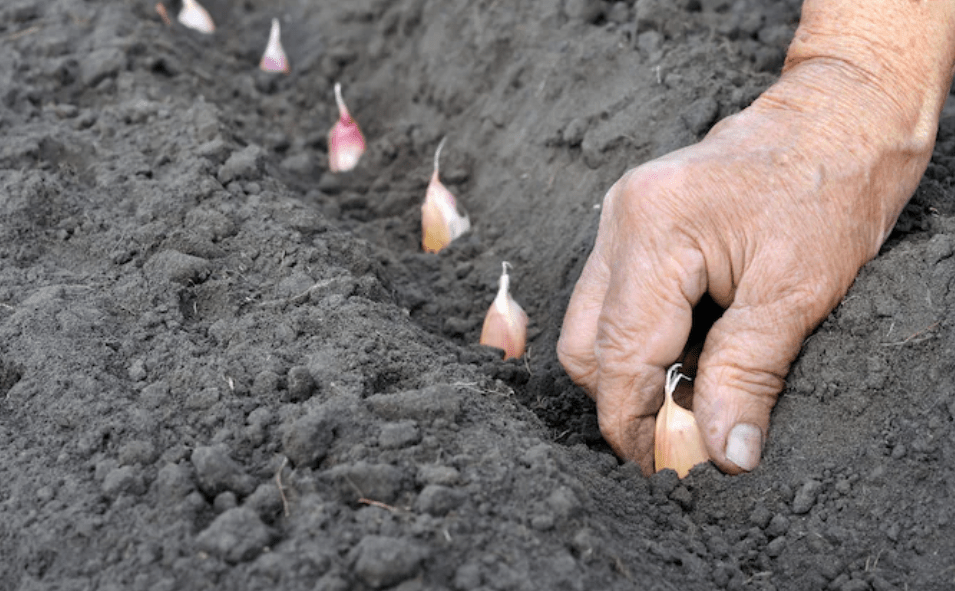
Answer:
(578, 334)
(657, 276)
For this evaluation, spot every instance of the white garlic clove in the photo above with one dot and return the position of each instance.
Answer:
(195, 17)
(678, 444)
(274, 60)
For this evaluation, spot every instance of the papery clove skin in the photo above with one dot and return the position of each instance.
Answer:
(161, 11)
(678, 444)
(195, 17)
(346, 144)
(441, 222)
(505, 325)
(274, 59)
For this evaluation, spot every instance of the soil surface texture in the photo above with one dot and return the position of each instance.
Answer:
(223, 367)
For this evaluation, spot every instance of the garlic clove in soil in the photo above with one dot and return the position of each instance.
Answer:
(441, 222)
(505, 325)
(678, 444)
(195, 17)
(274, 60)
(346, 144)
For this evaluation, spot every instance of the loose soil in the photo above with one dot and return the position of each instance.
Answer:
(223, 367)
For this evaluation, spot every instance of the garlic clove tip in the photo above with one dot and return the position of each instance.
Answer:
(163, 14)
(274, 59)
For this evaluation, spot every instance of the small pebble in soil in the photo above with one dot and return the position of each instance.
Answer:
(776, 547)
(468, 576)
(649, 42)
(224, 501)
(137, 452)
(586, 544)
(242, 164)
(308, 439)
(217, 472)
(438, 500)
(938, 248)
(379, 482)
(265, 383)
(235, 536)
(806, 496)
(854, 585)
(619, 13)
(701, 114)
(100, 64)
(445, 475)
(880, 584)
(300, 383)
(137, 371)
(663, 482)
(202, 399)
(266, 501)
(298, 163)
(574, 131)
(587, 11)
(760, 516)
(398, 435)
(427, 404)
(174, 483)
(543, 521)
(177, 267)
(563, 502)
(683, 497)
(155, 394)
(385, 561)
(330, 582)
(778, 526)
(124, 480)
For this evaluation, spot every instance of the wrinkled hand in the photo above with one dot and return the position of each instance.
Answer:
(772, 214)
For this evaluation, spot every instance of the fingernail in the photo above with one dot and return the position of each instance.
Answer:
(744, 446)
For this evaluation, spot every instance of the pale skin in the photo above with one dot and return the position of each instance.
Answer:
(772, 214)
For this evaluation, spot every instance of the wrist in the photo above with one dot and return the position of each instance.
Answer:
(849, 116)
(904, 51)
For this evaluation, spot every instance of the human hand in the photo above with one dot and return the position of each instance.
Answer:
(772, 214)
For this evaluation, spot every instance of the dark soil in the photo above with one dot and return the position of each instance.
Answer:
(223, 367)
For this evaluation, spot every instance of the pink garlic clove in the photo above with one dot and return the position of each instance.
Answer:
(441, 222)
(346, 144)
(505, 325)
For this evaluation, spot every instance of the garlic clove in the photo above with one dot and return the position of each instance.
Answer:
(194, 16)
(161, 11)
(274, 60)
(678, 444)
(346, 144)
(505, 325)
(441, 222)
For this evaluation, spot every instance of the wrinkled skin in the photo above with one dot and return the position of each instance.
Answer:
(773, 214)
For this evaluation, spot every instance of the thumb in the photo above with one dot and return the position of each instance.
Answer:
(742, 369)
